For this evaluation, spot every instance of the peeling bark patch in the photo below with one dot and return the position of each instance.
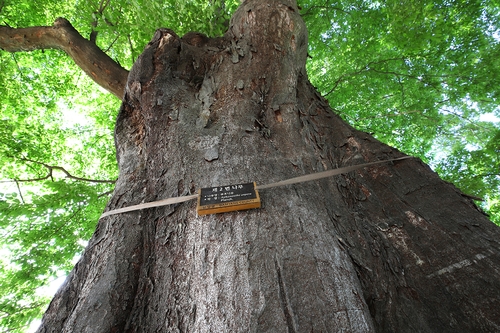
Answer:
(204, 142)
(165, 40)
(380, 171)
(403, 242)
(205, 95)
(353, 142)
(208, 144)
(212, 154)
(240, 85)
(416, 220)
(457, 265)
(279, 117)
(365, 191)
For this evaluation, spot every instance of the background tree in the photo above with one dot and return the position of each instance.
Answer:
(418, 79)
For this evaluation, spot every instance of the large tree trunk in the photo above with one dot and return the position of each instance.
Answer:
(390, 248)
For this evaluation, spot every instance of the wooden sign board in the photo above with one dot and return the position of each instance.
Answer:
(228, 198)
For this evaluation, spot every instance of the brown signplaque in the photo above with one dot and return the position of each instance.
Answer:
(227, 198)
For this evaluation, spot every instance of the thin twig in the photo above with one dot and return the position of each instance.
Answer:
(105, 194)
(326, 8)
(131, 48)
(112, 43)
(20, 193)
(51, 169)
(103, 7)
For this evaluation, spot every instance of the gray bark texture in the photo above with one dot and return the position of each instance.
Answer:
(389, 248)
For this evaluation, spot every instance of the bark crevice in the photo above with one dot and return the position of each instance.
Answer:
(287, 312)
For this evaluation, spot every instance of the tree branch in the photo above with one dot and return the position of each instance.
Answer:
(62, 36)
(19, 191)
(325, 8)
(105, 193)
(369, 67)
(51, 169)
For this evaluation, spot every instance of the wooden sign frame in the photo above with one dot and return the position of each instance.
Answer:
(228, 198)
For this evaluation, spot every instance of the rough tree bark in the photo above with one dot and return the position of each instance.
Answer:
(391, 248)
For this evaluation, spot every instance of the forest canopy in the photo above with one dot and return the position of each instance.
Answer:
(421, 76)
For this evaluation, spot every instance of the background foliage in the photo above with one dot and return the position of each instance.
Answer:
(422, 76)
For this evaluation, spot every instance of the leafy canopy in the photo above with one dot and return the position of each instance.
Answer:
(422, 76)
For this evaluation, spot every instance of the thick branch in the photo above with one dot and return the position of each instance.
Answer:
(97, 64)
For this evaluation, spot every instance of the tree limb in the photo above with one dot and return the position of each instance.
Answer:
(92, 60)
(51, 169)
(19, 191)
